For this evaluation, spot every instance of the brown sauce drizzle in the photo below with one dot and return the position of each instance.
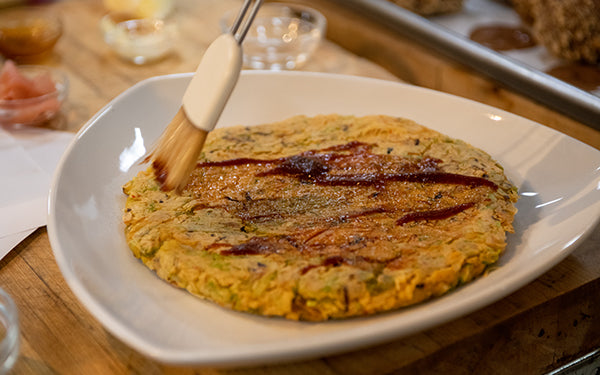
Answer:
(311, 169)
(313, 166)
(585, 77)
(249, 248)
(352, 145)
(333, 261)
(160, 172)
(357, 147)
(440, 214)
(337, 260)
(260, 245)
(308, 268)
(327, 167)
(502, 38)
(305, 167)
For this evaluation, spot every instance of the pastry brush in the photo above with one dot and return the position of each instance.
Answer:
(180, 145)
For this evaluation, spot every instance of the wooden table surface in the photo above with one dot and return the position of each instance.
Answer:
(543, 325)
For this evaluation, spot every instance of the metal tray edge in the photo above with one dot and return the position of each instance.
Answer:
(554, 93)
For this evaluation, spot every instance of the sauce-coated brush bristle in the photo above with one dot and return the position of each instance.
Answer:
(177, 152)
(204, 99)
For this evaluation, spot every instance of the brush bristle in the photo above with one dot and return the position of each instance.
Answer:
(177, 152)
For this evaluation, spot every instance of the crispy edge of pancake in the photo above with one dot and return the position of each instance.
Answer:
(272, 285)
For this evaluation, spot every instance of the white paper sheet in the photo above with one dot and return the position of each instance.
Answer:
(9, 242)
(28, 158)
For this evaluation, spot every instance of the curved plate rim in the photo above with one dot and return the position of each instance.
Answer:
(360, 336)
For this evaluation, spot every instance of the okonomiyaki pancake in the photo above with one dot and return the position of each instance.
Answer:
(325, 217)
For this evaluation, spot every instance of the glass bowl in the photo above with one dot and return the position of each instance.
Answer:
(28, 34)
(9, 331)
(138, 40)
(282, 36)
(37, 110)
(141, 8)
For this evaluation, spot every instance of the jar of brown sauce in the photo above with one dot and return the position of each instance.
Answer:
(28, 34)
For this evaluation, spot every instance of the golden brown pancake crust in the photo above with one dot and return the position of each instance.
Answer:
(325, 217)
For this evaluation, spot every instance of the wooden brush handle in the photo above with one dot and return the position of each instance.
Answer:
(213, 82)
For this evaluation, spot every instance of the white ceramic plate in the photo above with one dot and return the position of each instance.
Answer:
(558, 178)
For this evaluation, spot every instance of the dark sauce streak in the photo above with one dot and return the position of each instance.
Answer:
(320, 168)
(216, 245)
(308, 268)
(346, 299)
(351, 146)
(260, 245)
(334, 261)
(314, 169)
(440, 214)
(253, 247)
(337, 260)
(160, 172)
(298, 165)
(354, 145)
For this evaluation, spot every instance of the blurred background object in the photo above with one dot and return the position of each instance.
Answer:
(139, 31)
(140, 8)
(30, 95)
(9, 329)
(282, 37)
(138, 40)
(430, 7)
(28, 34)
(9, 3)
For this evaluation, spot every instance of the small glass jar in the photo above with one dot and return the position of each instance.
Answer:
(28, 34)
(282, 36)
(36, 110)
(141, 8)
(138, 40)
(9, 332)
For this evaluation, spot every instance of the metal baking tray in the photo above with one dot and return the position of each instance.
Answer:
(437, 33)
